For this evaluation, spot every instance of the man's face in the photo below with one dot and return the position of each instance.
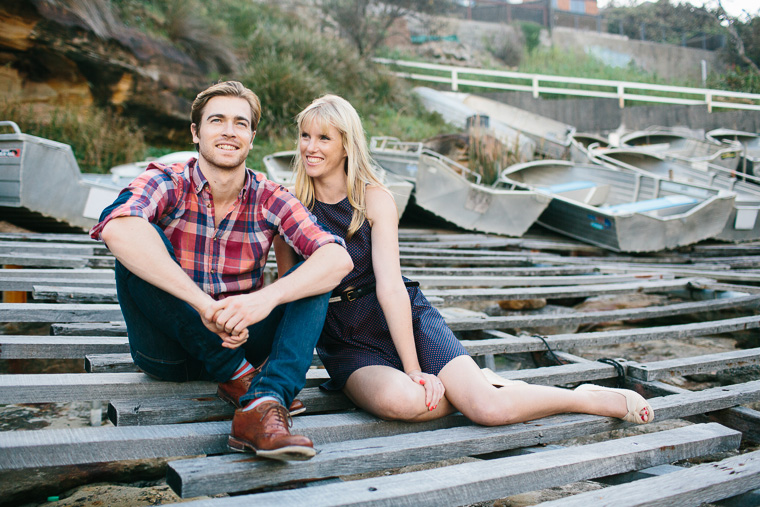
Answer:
(224, 136)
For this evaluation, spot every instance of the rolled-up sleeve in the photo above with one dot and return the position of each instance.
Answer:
(295, 223)
(148, 196)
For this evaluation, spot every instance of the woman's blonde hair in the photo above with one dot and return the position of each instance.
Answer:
(331, 110)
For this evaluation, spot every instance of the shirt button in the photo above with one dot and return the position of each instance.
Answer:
(213, 271)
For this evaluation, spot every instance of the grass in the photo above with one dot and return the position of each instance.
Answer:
(99, 139)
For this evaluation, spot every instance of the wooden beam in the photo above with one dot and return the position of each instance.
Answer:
(141, 411)
(459, 295)
(57, 347)
(698, 485)
(453, 485)
(696, 364)
(44, 388)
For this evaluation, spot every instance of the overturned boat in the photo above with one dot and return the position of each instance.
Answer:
(550, 137)
(686, 146)
(279, 168)
(42, 188)
(454, 193)
(454, 110)
(625, 211)
(742, 223)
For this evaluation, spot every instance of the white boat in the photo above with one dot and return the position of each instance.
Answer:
(41, 186)
(279, 168)
(454, 193)
(550, 137)
(742, 224)
(686, 146)
(750, 160)
(452, 108)
(624, 211)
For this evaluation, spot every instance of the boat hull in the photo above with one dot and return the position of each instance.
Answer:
(742, 223)
(609, 221)
(447, 194)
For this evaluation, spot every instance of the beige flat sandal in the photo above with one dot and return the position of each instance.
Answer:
(497, 380)
(634, 402)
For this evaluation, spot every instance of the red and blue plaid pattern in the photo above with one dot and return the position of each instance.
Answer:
(229, 260)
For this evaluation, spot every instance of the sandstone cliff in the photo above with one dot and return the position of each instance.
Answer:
(77, 53)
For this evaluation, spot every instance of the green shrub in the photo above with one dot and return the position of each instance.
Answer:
(99, 138)
(532, 33)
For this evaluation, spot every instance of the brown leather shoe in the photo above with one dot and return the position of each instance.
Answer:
(232, 390)
(265, 430)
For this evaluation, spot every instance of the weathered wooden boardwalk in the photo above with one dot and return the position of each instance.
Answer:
(707, 290)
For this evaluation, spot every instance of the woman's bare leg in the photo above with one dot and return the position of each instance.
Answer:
(468, 390)
(390, 394)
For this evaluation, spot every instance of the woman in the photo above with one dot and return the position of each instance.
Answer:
(383, 344)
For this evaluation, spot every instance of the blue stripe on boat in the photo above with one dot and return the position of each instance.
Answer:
(567, 187)
(668, 201)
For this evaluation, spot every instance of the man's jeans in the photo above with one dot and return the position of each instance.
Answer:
(168, 340)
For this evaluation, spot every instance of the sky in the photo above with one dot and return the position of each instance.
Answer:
(733, 7)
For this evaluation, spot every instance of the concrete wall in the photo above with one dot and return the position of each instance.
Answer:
(666, 60)
(604, 115)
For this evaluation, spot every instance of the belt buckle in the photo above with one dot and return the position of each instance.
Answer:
(351, 295)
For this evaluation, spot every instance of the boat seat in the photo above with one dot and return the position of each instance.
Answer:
(567, 187)
(661, 203)
(586, 192)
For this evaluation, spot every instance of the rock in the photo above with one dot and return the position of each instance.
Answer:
(54, 55)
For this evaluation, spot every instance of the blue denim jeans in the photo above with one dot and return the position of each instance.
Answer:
(168, 340)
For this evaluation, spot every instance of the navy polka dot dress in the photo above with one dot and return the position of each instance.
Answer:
(355, 332)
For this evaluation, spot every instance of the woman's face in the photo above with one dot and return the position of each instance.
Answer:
(321, 151)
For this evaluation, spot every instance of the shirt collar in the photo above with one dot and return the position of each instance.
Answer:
(200, 181)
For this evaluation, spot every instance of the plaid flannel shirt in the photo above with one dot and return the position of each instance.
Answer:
(228, 260)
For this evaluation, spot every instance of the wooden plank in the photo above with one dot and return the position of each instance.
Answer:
(411, 271)
(56, 347)
(78, 446)
(140, 411)
(696, 364)
(172, 410)
(628, 283)
(43, 388)
(573, 340)
(698, 485)
(91, 445)
(80, 274)
(48, 237)
(52, 312)
(87, 294)
(68, 249)
(89, 329)
(453, 485)
(742, 419)
(459, 295)
(59, 261)
(27, 284)
(449, 260)
(526, 321)
(536, 281)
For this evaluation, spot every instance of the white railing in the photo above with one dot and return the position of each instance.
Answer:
(620, 90)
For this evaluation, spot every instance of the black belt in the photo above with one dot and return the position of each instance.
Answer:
(354, 294)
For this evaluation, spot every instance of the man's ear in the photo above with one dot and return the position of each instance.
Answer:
(194, 132)
(252, 138)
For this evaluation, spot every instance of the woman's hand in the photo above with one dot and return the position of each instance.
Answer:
(433, 387)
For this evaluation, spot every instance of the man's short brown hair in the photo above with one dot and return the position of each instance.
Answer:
(226, 89)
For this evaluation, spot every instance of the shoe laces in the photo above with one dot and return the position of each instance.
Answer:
(280, 418)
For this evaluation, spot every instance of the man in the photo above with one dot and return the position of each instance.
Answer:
(191, 242)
